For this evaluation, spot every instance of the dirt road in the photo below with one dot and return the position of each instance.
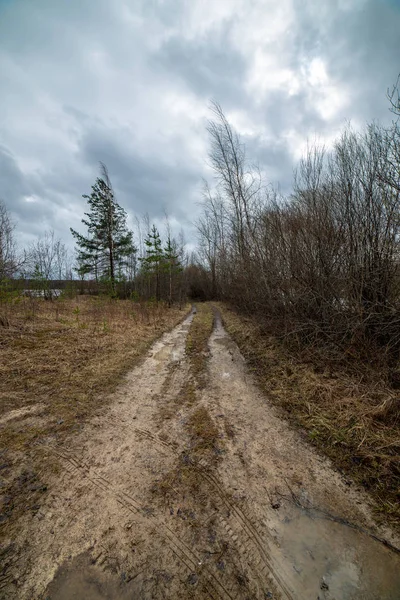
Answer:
(177, 494)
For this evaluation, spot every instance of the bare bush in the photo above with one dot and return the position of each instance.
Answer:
(323, 261)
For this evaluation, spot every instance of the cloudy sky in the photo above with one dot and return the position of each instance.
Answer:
(128, 82)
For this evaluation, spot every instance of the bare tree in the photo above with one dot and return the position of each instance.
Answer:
(48, 259)
(393, 95)
(8, 252)
(326, 259)
(241, 184)
(210, 227)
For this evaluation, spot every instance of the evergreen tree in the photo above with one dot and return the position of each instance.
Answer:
(152, 262)
(108, 244)
(171, 264)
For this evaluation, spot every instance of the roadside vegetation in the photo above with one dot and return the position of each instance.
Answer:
(342, 406)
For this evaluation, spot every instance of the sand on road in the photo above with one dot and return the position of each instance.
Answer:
(170, 493)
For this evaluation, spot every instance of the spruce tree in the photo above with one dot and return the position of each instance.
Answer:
(171, 264)
(108, 243)
(152, 262)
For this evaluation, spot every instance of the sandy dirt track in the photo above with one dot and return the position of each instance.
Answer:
(143, 508)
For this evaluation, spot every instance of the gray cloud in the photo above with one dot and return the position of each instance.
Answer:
(143, 182)
(366, 55)
(12, 179)
(128, 83)
(210, 67)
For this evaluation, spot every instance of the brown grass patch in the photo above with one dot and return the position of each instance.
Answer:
(63, 359)
(197, 342)
(206, 448)
(197, 355)
(205, 438)
(204, 444)
(352, 417)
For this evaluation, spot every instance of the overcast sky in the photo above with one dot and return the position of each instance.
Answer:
(128, 82)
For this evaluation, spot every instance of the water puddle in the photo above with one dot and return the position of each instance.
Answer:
(327, 560)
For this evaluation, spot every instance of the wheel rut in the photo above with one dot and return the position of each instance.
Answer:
(167, 494)
(176, 545)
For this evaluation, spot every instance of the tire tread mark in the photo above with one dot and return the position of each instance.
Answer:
(181, 560)
(243, 520)
(195, 562)
(248, 527)
(101, 482)
(127, 502)
(245, 523)
(148, 435)
(242, 550)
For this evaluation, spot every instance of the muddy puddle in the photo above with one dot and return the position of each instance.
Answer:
(329, 560)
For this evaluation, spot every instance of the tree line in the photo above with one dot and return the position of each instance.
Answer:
(322, 262)
(108, 253)
(107, 259)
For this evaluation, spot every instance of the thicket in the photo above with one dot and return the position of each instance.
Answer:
(321, 264)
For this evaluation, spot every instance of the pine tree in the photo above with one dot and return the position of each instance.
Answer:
(108, 243)
(152, 262)
(172, 264)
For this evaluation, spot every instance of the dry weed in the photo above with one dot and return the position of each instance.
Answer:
(197, 342)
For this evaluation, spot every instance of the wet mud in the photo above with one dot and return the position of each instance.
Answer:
(212, 496)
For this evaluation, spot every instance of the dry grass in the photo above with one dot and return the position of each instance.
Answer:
(205, 444)
(205, 448)
(352, 417)
(203, 434)
(196, 350)
(205, 439)
(197, 342)
(59, 362)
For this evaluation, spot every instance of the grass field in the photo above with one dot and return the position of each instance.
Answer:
(59, 363)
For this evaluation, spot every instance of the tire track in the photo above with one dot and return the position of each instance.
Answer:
(145, 434)
(5, 581)
(99, 481)
(253, 548)
(249, 529)
(215, 583)
(176, 544)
